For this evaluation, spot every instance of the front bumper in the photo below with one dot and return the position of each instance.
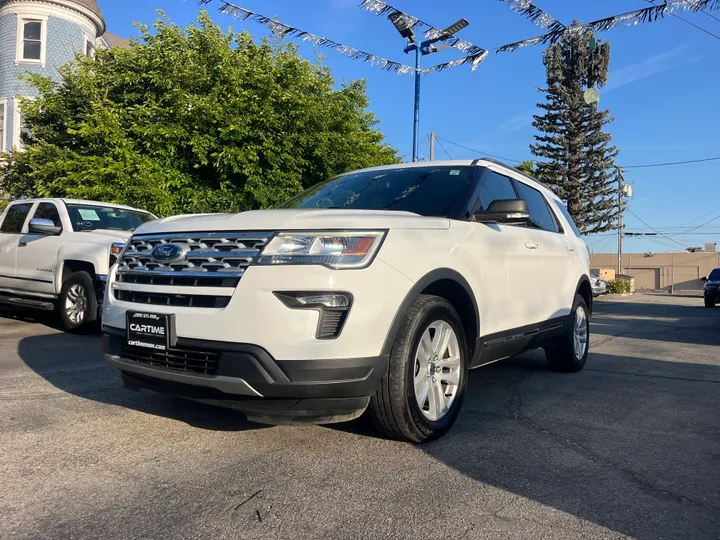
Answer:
(712, 293)
(247, 378)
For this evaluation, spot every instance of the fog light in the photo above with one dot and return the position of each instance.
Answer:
(333, 308)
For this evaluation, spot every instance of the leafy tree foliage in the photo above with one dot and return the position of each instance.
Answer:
(193, 120)
(581, 167)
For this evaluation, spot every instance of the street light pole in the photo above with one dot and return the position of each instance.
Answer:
(404, 25)
(416, 119)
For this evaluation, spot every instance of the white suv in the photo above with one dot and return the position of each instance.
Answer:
(55, 254)
(376, 289)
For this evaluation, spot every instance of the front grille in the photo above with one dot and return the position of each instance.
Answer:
(176, 358)
(206, 259)
(169, 299)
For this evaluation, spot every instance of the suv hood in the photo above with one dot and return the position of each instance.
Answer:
(109, 235)
(297, 220)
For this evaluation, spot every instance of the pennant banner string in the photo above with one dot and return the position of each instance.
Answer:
(380, 8)
(535, 14)
(286, 31)
(631, 18)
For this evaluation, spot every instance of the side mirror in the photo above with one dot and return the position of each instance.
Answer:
(504, 211)
(43, 226)
(703, 279)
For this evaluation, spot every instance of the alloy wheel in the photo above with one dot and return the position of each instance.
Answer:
(580, 333)
(437, 370)
(76, 303)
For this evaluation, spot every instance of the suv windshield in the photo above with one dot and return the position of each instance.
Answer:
(428, 191)
(89, 217)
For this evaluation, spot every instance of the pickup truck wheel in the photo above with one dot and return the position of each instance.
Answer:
(77, 303)
(569, 352)
(420, 396)
(709, 302)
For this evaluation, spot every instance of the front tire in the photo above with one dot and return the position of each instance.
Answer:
(569, 351)
(709, 302)
(77, 303)
(420, 396)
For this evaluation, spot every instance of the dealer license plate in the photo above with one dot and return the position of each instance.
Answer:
(150, 330)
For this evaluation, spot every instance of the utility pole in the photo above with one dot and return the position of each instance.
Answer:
(404, 26)
(432, 146)
(620, 218)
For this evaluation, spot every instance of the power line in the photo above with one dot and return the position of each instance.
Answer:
(699, 226)
(688, 22)
(671, 163)
(441, 146)
(653, 229)
(478, 151)
(642, 166)
(695, 219)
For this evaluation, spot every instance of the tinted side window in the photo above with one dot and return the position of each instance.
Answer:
(564, 211)
(15, 218)
(48, 211)
(540, 214)
(495, 187)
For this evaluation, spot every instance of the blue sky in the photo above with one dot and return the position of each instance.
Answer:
(663, 91)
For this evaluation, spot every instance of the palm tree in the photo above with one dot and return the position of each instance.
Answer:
(527, 166)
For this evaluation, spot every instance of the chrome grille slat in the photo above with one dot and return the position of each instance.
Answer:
(213, 259)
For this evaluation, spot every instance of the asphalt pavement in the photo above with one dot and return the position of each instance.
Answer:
(629, 447)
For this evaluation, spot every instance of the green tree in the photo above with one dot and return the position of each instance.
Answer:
(581, 167)
(527, 166)
(193, 120)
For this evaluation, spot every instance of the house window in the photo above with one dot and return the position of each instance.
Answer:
(89, 48)
(21, 128)
(3, 123)
(31, 40)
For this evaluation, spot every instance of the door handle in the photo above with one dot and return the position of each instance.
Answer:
(531, 245)
(570, 248)
(22, 244)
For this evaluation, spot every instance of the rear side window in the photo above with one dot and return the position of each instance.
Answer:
(496, 187)
(15, 218)
(564, 211)
(541, 216)
(48, 211)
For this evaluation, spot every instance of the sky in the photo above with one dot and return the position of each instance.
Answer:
(663, 91)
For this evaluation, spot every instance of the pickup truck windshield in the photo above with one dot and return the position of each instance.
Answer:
(428, 191)
(89, 217)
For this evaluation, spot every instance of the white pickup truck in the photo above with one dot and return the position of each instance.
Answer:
(56, 253)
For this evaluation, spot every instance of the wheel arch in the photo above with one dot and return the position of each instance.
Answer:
(70, 266)
(584, 289)
(451, 285)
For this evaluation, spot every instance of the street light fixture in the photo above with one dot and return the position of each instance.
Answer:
(404, 26)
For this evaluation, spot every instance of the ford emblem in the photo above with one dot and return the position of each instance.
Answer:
(167, 253)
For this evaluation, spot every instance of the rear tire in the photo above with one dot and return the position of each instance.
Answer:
(709, 302)
(569, 352)
(78, 304)
(420, 396)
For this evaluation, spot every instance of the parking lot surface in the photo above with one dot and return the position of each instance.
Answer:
(630, 447)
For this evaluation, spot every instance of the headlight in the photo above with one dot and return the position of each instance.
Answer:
(115, 249)
(354, 249)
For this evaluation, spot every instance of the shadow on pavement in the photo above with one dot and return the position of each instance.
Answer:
(674, 323)
(75, 364)
(49, 319)
(630, 444)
